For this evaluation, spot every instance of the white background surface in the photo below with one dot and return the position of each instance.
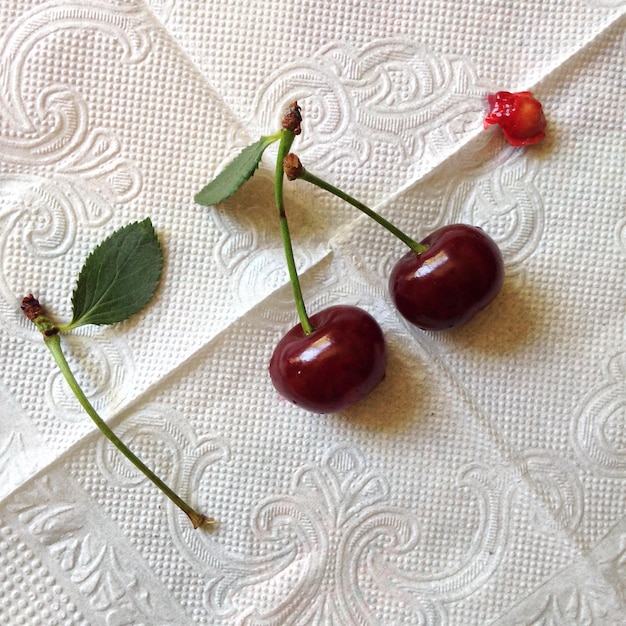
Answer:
(484, 480)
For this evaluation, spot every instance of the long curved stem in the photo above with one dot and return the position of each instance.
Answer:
(53, 342)
(283, 149)
(418, 248)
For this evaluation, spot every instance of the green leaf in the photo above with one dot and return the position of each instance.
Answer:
(236, 173)
(119, 277)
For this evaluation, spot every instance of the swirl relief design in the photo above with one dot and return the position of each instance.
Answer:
(598, 433)
(78, 550)
(63, 172)
(335, 550)
(60, 168)
(51, 127)
(393, 108)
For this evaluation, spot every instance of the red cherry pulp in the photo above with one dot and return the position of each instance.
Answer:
(458, 275)
(334, 366)
(520, 115)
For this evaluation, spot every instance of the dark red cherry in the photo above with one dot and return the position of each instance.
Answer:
(459, 274)
(334, 366)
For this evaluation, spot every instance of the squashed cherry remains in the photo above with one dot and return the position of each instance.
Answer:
(519, 115)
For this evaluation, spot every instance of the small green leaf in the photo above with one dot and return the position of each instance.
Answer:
(119, 277)
(235, 174)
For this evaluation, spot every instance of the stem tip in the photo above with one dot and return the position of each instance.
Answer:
(203, 522)
(292, 166)
(31, 307)
(292, 118)
(35, 313)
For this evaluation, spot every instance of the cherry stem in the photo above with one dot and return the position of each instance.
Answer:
(418, 248)
(288, 136)
(52, 340)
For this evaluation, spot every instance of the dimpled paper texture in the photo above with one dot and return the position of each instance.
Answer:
(483, 482)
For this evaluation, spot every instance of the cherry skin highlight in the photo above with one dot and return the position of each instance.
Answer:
(334, 366)
(519, 115)
(458, 275)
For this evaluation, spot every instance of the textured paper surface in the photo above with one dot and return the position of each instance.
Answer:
(484, 480)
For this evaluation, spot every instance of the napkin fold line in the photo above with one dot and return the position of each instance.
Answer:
(190, 63)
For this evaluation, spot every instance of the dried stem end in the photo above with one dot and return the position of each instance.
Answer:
(292, 166)
(292, 118)
(35, 313)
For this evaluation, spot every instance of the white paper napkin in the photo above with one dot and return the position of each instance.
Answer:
(483, 482)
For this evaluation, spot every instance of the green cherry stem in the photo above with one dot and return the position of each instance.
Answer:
(304, 174)
(52, 340)
(288, 136)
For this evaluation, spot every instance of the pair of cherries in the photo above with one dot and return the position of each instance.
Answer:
(454, 273)
(336, 357)
(344, 357)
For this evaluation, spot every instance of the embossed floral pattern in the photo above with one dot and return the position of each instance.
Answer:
(598, 432)
(389, 97)
(336, 547)
(60, 168)
(484, 485)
